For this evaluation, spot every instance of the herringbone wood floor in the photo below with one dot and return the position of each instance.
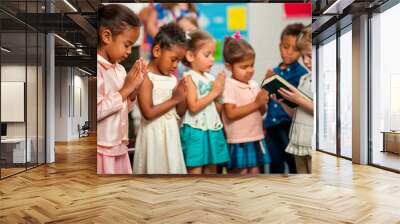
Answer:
(69, 191)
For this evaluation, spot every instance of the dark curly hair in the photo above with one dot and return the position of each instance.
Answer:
(170, 34)
(236, 50)
(116, 18)
(293, 29)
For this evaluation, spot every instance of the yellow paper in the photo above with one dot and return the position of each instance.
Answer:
(237, 18)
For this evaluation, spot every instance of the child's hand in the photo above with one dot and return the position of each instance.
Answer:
(132, 80)
(219, 83)
(136, 74)
(275, 98)
(180, 92)
(262, 98)
(143, 67)
(293, 95)
(269, 73)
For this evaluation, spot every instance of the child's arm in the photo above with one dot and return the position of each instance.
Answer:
(195, 104)
(107, 104)
(181, 108)
(263, 110)
(145, 99)
(288, 109)
(235, 113)
(131, 99)
(110, 103)
(308, 105)
(219, 106)
(134, 94)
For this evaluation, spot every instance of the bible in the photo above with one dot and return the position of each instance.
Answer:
(273, 83)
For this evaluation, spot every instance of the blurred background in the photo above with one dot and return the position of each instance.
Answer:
(259, 23)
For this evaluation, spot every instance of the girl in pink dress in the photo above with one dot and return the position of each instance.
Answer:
(116, 90)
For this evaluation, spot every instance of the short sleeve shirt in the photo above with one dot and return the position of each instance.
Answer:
(248, 128)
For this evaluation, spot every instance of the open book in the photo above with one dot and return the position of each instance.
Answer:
(273, 83)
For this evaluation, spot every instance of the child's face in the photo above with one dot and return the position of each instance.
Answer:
(203, 59)
(288, 49)
(243, 71)
(306, 53)
(121, 44)
(167, 59)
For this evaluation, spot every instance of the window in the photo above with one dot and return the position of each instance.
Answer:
(314, 86)
(327, 95)
(385, 89)
(23, 76)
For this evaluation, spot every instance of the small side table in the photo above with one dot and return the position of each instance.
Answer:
(391, 141)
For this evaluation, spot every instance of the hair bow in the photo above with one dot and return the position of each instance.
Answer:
(236, 35)
(187, 34)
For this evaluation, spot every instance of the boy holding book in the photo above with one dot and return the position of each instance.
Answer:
(277, 122)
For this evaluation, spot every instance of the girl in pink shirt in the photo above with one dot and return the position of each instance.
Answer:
(118, 31)
(244, 105)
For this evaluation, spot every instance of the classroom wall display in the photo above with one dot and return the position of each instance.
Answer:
(178, 140)
(223, 19)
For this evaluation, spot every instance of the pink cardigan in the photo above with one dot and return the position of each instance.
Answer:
(112, 111)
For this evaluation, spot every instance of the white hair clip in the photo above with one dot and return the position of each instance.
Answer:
(187, 34)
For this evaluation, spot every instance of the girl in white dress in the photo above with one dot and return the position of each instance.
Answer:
(162, 101)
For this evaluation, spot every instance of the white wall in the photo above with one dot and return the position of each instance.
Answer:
(68, 83)
(17, 73)
(61, 103)
(266, 22)
(14, 73)
(80, 83)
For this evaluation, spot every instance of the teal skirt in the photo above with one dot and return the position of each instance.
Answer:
(201, 148)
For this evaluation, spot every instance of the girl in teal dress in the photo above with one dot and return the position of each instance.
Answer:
(202, 136)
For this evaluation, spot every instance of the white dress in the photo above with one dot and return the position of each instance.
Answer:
(300, 136)
(158, 147)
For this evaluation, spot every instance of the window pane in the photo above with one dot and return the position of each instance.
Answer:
(14, 153)
(346, 94)
(327, 96)
(314, 83)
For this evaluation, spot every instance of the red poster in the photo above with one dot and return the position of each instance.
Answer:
(297, 9)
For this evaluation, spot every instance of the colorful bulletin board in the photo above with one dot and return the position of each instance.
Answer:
(222, 19)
